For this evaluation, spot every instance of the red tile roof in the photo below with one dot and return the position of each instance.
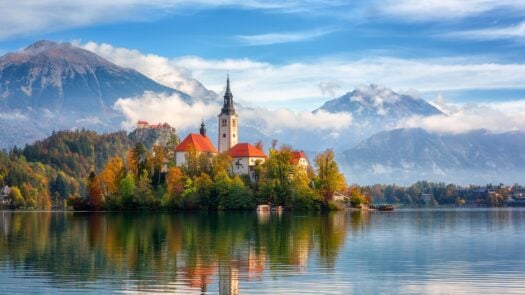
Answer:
(142, 122)
(245, 150)
(296, 156)
(197, 142)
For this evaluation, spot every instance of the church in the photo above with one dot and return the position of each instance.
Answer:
(244, 155)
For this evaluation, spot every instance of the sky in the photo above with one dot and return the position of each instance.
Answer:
(296, 54)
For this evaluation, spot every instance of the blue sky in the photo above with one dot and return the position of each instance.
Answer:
(464, 50)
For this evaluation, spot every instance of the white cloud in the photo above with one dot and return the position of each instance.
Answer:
(438, 10)
(509, 32)
(329, 87)
(13, 116)
(91, 120)
(40, 16)
(257, 81)
(161, 108)
(287, 37)
(270, 121)
(158, 68)
(496, 117)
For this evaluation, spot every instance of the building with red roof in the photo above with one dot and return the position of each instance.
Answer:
(197, 142)
(244, 159)
(300, 159)
(142, 124)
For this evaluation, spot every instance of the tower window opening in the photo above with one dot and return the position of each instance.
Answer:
(224, 123)
(224, 135)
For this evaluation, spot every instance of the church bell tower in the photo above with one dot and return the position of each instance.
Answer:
(228, 122)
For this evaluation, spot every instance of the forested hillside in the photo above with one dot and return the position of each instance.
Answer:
(56, 168)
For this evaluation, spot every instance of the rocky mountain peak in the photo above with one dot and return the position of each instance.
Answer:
(375, 101)
(41, 44)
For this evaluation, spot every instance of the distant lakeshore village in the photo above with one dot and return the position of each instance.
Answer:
(244, 156)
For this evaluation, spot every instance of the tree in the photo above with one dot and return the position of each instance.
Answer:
(203, 189)
(17, 201)
(60, 187)
(158, 159)
(137, 161)
(276, 179)
(175, 182)
(143, 195)
(356, 197)
(127, 190)
(94, 192)
(109, 178)
(329, 179)
(259, 145)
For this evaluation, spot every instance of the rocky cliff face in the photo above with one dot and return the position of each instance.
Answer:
(162, 135)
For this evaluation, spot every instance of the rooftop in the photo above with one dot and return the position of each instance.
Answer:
(197, 142)
(245, 150)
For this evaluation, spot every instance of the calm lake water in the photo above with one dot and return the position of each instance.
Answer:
(419, 251)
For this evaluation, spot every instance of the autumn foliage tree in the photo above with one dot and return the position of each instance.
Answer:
(109, 178)
(94, 192)
(329, 179)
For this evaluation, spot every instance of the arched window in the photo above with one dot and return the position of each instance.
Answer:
(224, 135)
(224, 123)
(233, 123)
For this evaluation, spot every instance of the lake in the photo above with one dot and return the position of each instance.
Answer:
(406, 251)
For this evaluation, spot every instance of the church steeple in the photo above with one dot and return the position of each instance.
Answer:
(228, 122)
(227, 107)
(202, 131)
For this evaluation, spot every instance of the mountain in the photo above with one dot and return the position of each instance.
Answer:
(403, 156)
(57, 77)
(376, 103)
(373, 109)
(54, 86)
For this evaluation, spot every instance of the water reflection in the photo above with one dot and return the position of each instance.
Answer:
(158, 249)
(401, 252)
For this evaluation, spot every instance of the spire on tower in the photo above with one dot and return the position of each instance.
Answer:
(228, 91)
(227, 107)
(202, 131)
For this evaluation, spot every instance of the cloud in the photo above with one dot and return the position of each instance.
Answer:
(329, 87)
(277, 38)
(13, 116)
(37, 16)
(258, 81)
(496, 117)
(270, 121)
(91, 120)
(263, 85)
(160, 108)
(159, 68)
(439, 10)
(509, 32)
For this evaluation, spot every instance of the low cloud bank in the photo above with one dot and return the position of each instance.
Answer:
(159, 108)
(277, 120)
(496, 117)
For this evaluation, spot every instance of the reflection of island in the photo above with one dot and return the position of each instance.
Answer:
(199, 251)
